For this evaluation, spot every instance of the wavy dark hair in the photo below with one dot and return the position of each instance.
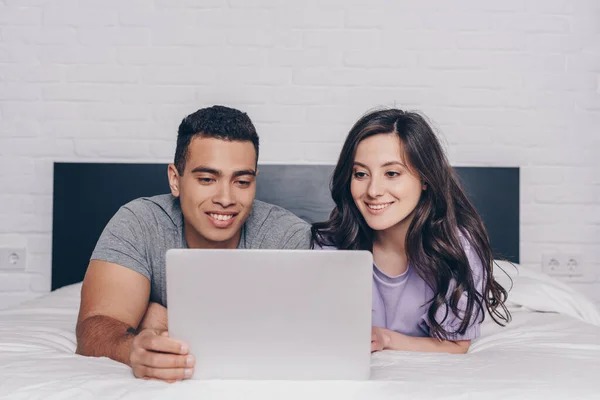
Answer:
(442, 215)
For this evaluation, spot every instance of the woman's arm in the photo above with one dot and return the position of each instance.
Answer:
(386, 339)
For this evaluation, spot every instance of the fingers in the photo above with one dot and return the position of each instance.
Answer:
(161, 343)
(164, 374)
(162, 360)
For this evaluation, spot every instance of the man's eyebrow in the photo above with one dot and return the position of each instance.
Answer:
(244, 172)
(207, 170)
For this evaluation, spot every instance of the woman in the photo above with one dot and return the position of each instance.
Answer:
(397, 196)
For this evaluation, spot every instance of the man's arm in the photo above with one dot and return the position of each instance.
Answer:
(113, 300)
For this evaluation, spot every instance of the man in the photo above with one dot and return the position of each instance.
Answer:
(211, 205)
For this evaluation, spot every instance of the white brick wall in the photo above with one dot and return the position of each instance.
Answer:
(506, 82)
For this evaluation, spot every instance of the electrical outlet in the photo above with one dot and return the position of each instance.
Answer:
(12, 258)
(568, 266)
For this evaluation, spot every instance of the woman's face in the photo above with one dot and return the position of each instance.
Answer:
(384, 188)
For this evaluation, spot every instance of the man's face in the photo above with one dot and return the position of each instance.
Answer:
(216, 190)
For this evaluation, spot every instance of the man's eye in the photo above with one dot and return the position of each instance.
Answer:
(243, 183)
(205, 180)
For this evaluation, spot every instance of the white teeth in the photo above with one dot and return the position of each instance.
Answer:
(221, 217)
(378, 206)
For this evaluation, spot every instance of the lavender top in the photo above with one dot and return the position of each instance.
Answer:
(400, 303)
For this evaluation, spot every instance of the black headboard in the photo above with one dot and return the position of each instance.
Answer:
(86, 195)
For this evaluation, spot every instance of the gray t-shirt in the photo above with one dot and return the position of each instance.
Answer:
(140, 233)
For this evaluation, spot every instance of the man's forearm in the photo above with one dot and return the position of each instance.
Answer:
(102, 336)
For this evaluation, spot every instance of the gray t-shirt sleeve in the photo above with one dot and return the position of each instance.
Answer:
(272, 227)
(297, 237)
(123, 242)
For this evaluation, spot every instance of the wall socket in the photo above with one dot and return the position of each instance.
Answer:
(568, 266)
(12, 258)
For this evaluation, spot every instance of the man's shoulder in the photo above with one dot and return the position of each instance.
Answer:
(267, 214)
(155, 208)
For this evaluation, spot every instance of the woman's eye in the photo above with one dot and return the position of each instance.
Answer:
(392, 174)
(359, 174)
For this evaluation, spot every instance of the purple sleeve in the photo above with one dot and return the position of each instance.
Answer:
(452, 322)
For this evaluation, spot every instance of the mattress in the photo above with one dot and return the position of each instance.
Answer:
(551, 350)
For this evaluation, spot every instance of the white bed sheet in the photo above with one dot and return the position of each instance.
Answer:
(551, 350)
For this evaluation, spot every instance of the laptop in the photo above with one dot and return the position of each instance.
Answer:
(272, 314)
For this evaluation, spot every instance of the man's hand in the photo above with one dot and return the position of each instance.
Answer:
(380, 338)
(154, 355)
(156, 317)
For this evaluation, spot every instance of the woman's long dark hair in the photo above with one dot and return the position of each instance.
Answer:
(443, 214)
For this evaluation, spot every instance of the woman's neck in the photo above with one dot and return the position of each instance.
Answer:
(389, 251)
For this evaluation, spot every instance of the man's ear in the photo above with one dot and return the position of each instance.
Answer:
(173, 179)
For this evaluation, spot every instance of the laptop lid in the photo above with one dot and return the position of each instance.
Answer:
(272, 314)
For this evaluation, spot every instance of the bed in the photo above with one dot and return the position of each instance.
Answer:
(550, 350)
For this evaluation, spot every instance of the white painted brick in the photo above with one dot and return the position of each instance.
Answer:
(163, 150)
(177, 75)
(344, 40)
(459, 60)
(34, 35)
(114, 112)
(234, 95)
(254, 76)
(568, 194)
(539, 24)
(259, 38)
(20, 15)
(253, 3)
(80, 92)
(79, 17)
(554, 43)
(217, 57)
(157, 94)
(542, 175)
(39, 243)
(526, 62)
(293, 95)
(37, 147)
(43, 203)
(305, 58)
(404, 40)
(121, 149)
(274, 114)
(42, 111)
(559, 213)
(491, 41)
(330, 77)
(378, 58)
(46, 74)
(154, 55)
(306, 18)
(40, 283)
(458, 22)
(39, 263)
(16, 204)
(561, 233)
(234, 18)
(19, 128)
(8, 163)
(25, 223)
(190, 3)
(96, 129)
(14, 282)
(116, 36)
(102, 74)
(24, 56)
(187, 36)
(376, 19)
(77, 55)
(19, 91)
